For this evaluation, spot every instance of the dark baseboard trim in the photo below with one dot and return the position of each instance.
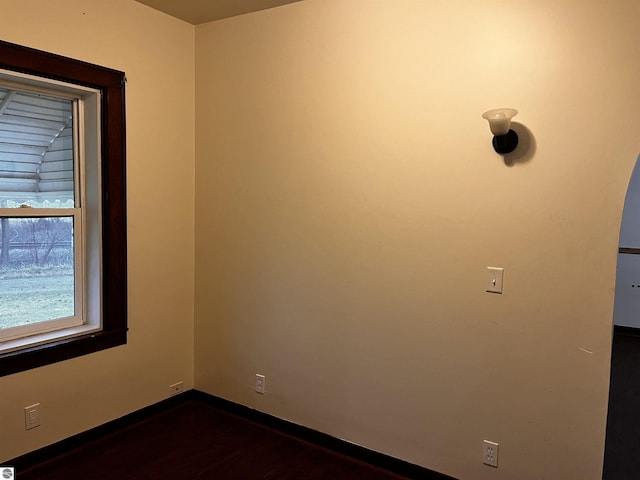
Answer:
(629, 331)
(323, 440)
(63, 447)
(314, 437)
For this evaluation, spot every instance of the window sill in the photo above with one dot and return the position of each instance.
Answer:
(47, 337)
(57, 351)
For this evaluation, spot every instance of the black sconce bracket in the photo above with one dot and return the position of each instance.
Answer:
(506, 143)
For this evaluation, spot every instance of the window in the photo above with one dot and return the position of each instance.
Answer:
(62, 208)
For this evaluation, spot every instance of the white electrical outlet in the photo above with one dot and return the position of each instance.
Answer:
(260, 383)
(176, 388)
(32, 416)
(490, 453)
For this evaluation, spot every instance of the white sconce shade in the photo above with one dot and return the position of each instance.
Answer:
(505, 140)
(500, 119)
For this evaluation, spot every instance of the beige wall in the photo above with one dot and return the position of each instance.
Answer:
(157, 54)
(348, 201)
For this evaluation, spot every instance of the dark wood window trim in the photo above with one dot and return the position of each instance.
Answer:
(111, 84)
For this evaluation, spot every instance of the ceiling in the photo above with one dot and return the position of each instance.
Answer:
(202, 11)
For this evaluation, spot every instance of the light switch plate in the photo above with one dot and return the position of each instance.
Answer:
(494, 279)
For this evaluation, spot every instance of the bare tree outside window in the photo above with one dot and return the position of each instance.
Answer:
(37, 281)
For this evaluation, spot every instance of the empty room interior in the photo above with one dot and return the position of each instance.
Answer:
(314, 196)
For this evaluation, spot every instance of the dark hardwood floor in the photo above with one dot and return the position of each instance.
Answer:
(194, 440)
(621, 458)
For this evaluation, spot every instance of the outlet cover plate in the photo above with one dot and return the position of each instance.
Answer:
(176, 388)
(490, 453)
(32, 416)
(260, 383)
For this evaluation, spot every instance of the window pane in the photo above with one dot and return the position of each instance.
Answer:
(36, 270)
(36, 150)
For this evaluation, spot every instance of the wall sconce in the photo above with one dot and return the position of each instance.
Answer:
(505, 140)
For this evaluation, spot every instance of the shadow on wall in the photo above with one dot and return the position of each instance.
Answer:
(526, 148)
